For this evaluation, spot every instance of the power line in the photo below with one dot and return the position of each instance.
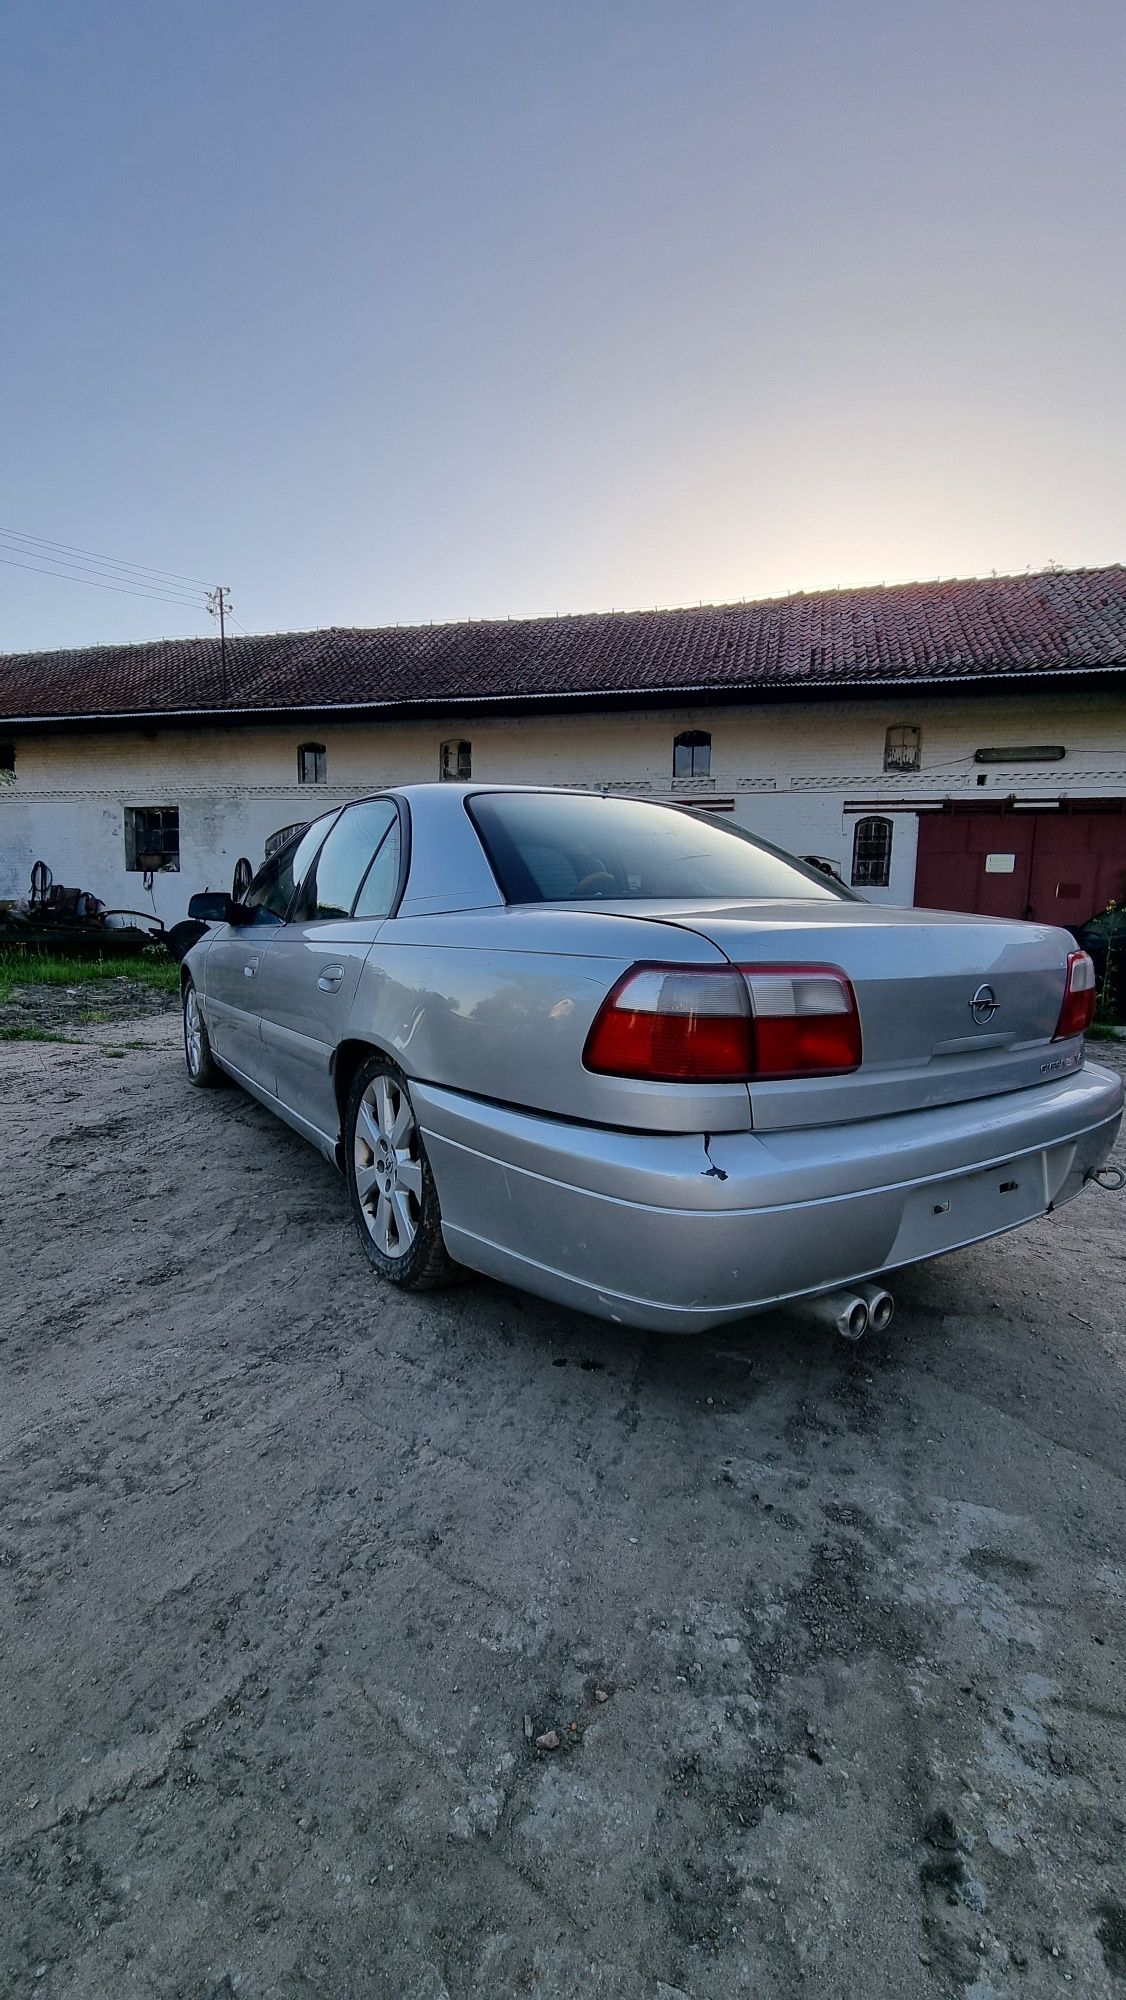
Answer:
(68, 548)
(59, 567)
(185, 603)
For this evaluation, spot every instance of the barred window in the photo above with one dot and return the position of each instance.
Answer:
(152, 839)
(903, 748)
(312, 764)
(871, 853)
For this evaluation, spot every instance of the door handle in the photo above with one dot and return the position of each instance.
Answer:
(250, 968)
(330, 978)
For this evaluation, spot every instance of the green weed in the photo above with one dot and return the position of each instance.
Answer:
(24, 966)
(35, 1035)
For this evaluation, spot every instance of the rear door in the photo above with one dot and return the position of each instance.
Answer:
(310, 976)
(233, 967)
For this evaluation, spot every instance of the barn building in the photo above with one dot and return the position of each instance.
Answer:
(960, 744)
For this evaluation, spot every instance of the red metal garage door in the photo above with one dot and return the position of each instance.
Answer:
(1057, 867)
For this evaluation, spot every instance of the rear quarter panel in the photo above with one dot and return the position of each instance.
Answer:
(499, 1003)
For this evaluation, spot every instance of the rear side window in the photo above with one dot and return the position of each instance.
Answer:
(565, 847)
(380, 884)
(271, 892)
(330, 887)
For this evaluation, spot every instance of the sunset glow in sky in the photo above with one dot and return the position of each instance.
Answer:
(397, 312)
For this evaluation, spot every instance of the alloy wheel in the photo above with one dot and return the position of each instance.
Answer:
(193, 1032)
(388, 1166)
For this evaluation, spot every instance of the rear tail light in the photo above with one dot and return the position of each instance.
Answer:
(726, 1024)
(1078, 1010)
(806, 1021)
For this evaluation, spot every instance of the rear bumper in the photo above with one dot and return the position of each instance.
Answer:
(681, 1233)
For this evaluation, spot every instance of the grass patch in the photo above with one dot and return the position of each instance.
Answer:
(35, 1035)
(1102, 1031)
(20, 966)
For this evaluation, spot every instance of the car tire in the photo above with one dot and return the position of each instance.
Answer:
(203, 1070)
(394, 1199)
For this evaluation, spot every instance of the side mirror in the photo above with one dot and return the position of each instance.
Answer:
(213, 906)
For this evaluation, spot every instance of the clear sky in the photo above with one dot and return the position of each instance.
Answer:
(396, 312)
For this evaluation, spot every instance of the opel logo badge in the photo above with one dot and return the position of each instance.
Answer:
(983, 1006)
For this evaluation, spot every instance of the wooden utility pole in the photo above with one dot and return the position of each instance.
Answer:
(219, 605)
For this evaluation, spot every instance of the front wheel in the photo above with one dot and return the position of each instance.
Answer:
(394, 1199)
(203, 1070)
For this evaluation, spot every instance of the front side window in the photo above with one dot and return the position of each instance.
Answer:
(312, 764)
(271, 892)
(456, 760)
(329, 888)
(152, 839)
(692, 754)
(572, 847)
(871, 853)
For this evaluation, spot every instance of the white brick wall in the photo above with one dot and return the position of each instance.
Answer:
(800, 774)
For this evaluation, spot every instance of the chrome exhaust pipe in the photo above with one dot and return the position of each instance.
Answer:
(845, 1312)
(880, 1304)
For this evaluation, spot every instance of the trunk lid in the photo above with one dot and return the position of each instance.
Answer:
(916, 974)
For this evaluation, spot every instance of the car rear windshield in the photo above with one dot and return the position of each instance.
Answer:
(560, 847)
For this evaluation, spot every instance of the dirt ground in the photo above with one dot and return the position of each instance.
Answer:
(69, 1011)
(294, 1570)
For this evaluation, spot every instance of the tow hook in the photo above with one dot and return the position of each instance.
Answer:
(1113, 1179)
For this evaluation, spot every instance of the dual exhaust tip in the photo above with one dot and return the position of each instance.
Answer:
(851, 1314)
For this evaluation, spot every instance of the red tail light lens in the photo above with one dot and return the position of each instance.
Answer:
(672, 1024)
(1078, 1010)
(806, 1020)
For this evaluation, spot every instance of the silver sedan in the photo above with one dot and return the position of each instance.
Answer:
(639, 1062)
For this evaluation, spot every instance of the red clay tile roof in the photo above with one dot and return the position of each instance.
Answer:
(984, 629)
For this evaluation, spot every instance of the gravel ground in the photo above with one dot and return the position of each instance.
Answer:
(294, 1571)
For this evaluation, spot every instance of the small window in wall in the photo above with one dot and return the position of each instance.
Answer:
(903, 748)
(152, 839)
(692, 754)
(312, 764)
(456, 760)
(7, 761)
(871, 853)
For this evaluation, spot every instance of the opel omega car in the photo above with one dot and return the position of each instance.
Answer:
(639, 1062)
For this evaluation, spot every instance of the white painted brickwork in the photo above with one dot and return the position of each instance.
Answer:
(800, 774)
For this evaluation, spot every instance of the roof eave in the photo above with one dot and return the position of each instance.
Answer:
(682, 691)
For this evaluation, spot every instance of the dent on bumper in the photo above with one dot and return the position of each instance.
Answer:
(685, 1232)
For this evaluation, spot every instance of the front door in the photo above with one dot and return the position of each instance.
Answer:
(233, 967)
(232, 984)
(310, 975)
